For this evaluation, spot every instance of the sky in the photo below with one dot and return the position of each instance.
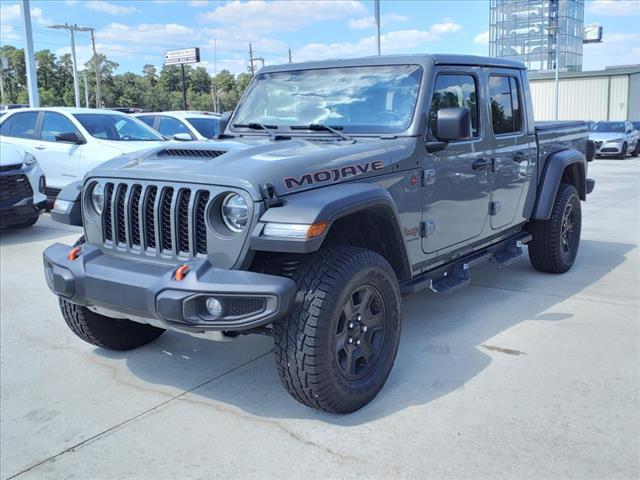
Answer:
(134, 33)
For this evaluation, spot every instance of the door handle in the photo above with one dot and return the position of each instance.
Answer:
(520, 157)
(481, 163)
(40, 147)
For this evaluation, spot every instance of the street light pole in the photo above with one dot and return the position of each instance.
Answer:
(96, 64)
(86, 89)
(30, 63)
(378, 25)
(557, 96)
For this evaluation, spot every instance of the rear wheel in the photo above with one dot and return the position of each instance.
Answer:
(555, 241)
(335, 350)
(636, 151)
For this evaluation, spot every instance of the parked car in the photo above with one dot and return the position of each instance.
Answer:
(5, 107)
(615, 139)
(22, 185)
(129, 110)
(319, 210)
(526, 30)
(69, 142)
(183, 125)
(636, 125)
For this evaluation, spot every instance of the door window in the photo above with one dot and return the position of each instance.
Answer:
(55, 123)
(23, 125)
(170, 126)
(505, 106)
(148, 119)
(453, 91)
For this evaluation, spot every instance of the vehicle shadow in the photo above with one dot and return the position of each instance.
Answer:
(43, 230)
(443, 346)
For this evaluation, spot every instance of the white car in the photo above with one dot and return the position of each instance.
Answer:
(615, 139)
(69, 142)
(22, 185)
(183, 125)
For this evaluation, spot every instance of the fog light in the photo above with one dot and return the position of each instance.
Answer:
(214, 307)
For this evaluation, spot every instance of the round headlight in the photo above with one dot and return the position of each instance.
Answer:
(235, 212)
(97, 198)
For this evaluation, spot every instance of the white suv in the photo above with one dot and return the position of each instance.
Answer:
(186, 125)
(69, 142)
(22, 185)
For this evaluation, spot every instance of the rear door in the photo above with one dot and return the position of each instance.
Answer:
(169, 126)
(457, 182)
(512, 147)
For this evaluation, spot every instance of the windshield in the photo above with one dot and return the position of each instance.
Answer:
(207, 127)
(116, 127)
(372, 99)
(617, 127)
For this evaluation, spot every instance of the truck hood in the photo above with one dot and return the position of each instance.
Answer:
(605, 136)
(289, 165)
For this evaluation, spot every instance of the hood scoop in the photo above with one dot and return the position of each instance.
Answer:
(190, 152)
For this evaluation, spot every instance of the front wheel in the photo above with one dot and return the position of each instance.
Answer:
(555, 241)
(636, 151)
(335, 349)
(623, 152)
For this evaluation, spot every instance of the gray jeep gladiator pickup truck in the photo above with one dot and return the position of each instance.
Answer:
(335, 188)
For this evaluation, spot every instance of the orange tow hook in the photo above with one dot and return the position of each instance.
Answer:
(73, 253)
(181, 272)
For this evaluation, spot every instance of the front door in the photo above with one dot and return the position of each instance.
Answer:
(60, 161)
(457, 180)
(512, 147)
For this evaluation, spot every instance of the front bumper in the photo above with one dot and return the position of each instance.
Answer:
(150, 293)
(605, 149)
(20, 213)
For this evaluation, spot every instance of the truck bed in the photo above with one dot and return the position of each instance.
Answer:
(553, 137)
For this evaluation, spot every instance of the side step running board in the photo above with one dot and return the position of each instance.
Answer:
(450, 277)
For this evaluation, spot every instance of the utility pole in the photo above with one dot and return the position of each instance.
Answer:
(4, 65)
(251, 60)
(86, 89)
(72, 29)
(32, 79)
(96, 63)
(378, 25)
(290, 56)
(184, 87)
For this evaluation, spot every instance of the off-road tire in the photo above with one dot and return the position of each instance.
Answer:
(623, 153)
(305, 341)
(106, 332)
(546, 248)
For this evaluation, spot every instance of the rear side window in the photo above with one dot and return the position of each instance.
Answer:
(506, 116)
(170, 126)
(452, 91)
(149, 119)
(23, 125)
(5, 127)
(55, 123)
(207, 127)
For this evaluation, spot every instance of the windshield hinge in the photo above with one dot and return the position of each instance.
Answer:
(270, 195)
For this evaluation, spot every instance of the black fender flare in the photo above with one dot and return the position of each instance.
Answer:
(67, 208)
(327, 204)
(571, 161)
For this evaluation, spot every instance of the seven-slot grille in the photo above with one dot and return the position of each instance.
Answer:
(163, 220)
(14, 188)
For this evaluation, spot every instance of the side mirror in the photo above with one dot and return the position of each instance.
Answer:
(224, 121)
(182, 137)
(453, 124)
(69, 137)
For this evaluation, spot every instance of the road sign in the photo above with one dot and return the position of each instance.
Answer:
(592, 33)
(182, 56)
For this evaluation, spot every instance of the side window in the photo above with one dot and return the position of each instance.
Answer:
(23, 125)
(170, 126)
(452, 91)
(506, 115)
(55, 123)
(148, 119)
(5, 127)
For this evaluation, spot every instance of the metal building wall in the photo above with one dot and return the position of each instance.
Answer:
(588, 98)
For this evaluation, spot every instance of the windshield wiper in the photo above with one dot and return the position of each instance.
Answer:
(321, 127)
(257, 126)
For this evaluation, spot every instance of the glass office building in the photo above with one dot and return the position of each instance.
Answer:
(531, 30)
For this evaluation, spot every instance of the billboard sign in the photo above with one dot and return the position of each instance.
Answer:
(592, 33)
(185, 55)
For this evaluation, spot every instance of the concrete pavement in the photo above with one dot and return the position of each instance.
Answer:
(521, 375)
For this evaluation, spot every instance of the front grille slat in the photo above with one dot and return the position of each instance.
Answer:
(157, 220)
(14, 188)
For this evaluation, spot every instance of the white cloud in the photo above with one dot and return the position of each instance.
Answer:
(8, 33)
(110, 8)
(614, 8)
(447, 26)
(615, 49)
(482, 38)
(260, 17)
(370, 22)
(11, 13)
(391, 42)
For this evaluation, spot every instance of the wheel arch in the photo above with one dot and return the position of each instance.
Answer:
(567, 166)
